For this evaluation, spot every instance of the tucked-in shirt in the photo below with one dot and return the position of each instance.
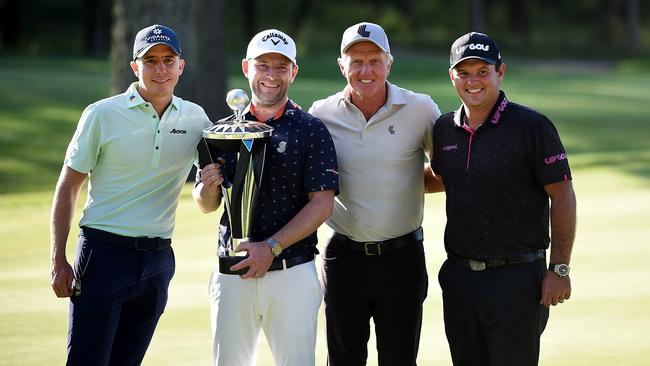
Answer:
(300, 158)
(494, 180)
(381, 163)
(137, 162)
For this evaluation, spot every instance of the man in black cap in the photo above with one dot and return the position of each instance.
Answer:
(136, 150)
(500, 163)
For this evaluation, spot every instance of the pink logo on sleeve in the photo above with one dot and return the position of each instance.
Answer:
(555, 158)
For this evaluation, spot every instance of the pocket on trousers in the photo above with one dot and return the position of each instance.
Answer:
(331, 252)
(83, 259)
(543, 318)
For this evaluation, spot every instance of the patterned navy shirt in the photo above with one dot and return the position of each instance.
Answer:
(300, 159)
(494, 180)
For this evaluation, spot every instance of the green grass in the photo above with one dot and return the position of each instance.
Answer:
(603, 120)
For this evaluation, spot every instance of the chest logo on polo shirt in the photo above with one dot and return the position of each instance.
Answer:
(178, 132)
(391, 129)
(450, 147)
(282, 146)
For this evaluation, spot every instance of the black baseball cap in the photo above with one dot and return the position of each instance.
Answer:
(474, 45)
(153, 35)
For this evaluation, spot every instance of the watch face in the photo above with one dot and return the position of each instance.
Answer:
(277, 249)
(562, 270)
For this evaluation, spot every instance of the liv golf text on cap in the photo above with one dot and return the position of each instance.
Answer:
(271, 41)
(153, 35)
(474, 45)
(365, 31)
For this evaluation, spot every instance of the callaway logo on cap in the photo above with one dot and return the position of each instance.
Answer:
(153, 35)
(474, 45)
(271, 41)
(365, 32)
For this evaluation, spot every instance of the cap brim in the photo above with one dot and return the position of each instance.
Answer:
(260, 53)
(488, 60)
(364, 39)
(143, 51)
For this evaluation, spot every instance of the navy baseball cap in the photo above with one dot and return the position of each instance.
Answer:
(153, 35)
(474, 45)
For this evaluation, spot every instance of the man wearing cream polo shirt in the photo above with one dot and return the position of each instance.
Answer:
(136, 150)
(374, 265)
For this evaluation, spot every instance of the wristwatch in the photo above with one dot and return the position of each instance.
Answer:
(276, 248)
(560, 269)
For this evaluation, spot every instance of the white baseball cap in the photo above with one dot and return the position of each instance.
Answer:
(271, 41)
(365, 32)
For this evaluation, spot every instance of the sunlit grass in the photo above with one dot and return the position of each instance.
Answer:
(603, 119)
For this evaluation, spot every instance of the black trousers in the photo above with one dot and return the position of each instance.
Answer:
(493, 317)
(123, 295)
(390, 288)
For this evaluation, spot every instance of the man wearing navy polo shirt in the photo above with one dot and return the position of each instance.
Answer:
(501, 163)
(280, 293)
(136, 150)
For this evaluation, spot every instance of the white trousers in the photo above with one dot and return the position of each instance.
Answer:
(284, 304)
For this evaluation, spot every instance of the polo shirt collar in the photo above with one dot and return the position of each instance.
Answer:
(495, 114)
(288, 110)
(134, 99)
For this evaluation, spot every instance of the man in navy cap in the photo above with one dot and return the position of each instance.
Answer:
(501, 164)
(136, 149)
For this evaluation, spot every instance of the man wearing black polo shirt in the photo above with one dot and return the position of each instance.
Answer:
(280, 293)
(501, 163)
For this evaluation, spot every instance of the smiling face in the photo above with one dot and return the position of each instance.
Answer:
(158, 72)
(269, 77)
(366, 67)
(477, 83)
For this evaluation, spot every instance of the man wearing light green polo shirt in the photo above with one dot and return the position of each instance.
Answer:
(136, 150)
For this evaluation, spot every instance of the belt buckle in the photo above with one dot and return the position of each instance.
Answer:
(377, 245)
(476, 266)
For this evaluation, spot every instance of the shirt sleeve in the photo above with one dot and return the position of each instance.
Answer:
(85, 147)
(320, 165)
(551, 163)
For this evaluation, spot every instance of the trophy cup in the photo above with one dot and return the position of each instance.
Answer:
(248, 140)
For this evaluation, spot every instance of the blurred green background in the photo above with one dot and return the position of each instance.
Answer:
(584, 64)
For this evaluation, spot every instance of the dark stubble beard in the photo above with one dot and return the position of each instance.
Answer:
(269, 102)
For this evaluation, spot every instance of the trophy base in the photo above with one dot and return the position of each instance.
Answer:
(225, 262)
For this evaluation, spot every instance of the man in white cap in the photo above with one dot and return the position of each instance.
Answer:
(374, 264)
(136, 149)
(280, 292)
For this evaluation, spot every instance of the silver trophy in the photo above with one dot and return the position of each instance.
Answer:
(248, 140)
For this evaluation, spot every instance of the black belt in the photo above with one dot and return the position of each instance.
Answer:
(141, 243)
(381, 247)
(279, 264)
(481, 265)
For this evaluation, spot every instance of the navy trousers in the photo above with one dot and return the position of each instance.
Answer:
(390, 288)
(493, 317)
(123, 294)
